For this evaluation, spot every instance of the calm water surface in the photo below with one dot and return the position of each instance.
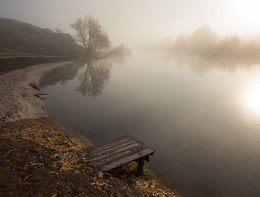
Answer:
(202, 118)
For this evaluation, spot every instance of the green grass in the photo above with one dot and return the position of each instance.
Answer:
(132, 167)
(13, 56)
(29, 56)
(9, 54)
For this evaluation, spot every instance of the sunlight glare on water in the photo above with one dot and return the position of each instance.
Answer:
(203, 121)
(252, 97)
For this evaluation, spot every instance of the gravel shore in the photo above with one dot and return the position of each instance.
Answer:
(20, 93)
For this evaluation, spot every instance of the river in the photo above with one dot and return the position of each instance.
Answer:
(201, 117)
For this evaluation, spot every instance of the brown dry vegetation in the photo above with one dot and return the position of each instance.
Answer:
(38, 158)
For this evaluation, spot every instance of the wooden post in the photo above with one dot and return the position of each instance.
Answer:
(140, 169)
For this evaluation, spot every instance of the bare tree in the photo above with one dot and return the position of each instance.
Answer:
(90, 35)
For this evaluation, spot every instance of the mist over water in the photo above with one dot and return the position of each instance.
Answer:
(202, 126)
(203, 50)
(190, 91)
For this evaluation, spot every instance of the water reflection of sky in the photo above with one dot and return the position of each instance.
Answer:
(204, 127)
(249, 93)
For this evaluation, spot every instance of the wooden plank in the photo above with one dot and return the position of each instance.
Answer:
(125, 160)
(116, 153)
(112, 152)
(117, 140)
(113, 143)
(118, 156)
(114, 157)
(111, 149)
(100, 147)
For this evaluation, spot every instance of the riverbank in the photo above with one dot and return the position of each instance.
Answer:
(37, 154)
(19, 92)
(15, 61)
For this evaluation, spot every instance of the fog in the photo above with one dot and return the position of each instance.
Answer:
(152, 69)
(136, 22)
(204, 49)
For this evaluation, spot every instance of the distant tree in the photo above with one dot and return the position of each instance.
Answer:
(118, 53)
(58, 31)
(91, 35)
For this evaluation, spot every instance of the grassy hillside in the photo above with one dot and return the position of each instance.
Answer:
(8, 54)
(22, 39)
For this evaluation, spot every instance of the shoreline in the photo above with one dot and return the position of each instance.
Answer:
(31, 142)
(19, 89)
(21, 99)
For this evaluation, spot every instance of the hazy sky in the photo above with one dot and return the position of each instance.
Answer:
(136, 21)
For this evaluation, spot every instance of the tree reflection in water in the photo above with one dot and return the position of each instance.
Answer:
(95, 75)
(61, 74)
(93, 80)
(202, 65)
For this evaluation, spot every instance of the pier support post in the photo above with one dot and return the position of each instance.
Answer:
(140, 169)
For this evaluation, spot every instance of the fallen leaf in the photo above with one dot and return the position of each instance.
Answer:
(26, 177)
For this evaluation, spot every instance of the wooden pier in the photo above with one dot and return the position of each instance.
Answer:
(116, 153)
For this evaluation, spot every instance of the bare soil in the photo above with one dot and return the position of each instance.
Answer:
(38, 158)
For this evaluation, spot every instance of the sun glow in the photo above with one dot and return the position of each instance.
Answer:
(247, 11)
(253, 98)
